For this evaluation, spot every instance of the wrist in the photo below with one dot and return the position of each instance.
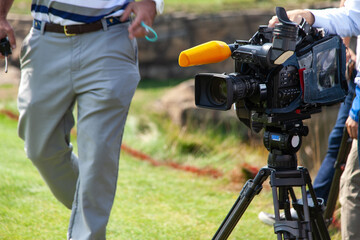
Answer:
(3, 15)
(309, 17)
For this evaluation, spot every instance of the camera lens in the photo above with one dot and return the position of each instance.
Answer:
(218, 91)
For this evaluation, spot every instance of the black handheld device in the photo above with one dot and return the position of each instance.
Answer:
(5, 50)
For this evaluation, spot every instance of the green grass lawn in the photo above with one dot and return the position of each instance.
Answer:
(151, 202)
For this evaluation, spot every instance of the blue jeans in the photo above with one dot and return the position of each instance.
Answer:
(322, 182)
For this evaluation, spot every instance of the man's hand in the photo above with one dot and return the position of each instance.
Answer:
(5, 28)
(144, 11)
(295, 16)
(352, 127)
(7, 31)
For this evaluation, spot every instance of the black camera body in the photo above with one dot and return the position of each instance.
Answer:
(281, 74)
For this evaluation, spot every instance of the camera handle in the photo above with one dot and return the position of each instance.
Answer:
(309, 226)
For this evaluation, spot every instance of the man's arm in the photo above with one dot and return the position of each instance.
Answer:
(353, 119)
(5, 28)
(344, 21)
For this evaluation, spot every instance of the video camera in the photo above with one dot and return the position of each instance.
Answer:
(282, 74)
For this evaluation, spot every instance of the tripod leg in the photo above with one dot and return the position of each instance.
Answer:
(281, 201)
(320, 229)
(250, 189)
(344, 150)
(289, 228)
(311, 224)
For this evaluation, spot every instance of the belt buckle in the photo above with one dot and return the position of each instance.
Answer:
(66, 32)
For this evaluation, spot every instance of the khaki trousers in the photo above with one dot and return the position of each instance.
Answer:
(98, 71)
(350, 196)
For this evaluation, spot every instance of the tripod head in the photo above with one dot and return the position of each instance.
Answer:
(283, 141)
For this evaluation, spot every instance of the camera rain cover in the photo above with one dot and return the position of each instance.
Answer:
(322, 70)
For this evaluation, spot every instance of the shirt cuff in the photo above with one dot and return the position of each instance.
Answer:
(159, 6)
(321, 19)
(355, 108)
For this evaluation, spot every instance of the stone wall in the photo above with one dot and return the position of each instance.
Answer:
(180, 31)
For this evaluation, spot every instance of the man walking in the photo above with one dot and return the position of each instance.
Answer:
(81, 52)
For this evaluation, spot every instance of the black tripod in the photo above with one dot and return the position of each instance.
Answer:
(282, 142)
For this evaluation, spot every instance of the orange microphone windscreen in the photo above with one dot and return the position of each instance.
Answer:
(210, 52)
